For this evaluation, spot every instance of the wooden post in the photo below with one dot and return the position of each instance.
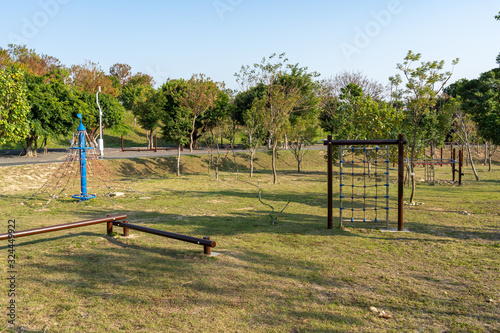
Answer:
(122, 142)
(126, 231)
(330, 182)
(206, 249)
(401, 178)
(460, 163)
(453, 153)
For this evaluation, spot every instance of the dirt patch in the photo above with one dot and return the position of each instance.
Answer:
(25, 177)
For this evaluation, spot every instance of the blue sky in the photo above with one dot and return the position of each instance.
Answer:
(172, 39)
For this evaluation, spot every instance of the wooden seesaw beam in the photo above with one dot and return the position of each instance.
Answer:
(119, 221)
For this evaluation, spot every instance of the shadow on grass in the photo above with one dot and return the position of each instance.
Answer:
(459, 233)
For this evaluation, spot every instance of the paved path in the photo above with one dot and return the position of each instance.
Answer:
(13, 157)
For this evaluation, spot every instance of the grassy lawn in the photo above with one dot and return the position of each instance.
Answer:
(295, 276)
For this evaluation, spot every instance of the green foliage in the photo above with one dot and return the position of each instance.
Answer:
(481, 99)
(424, 84)
(175, 118)
(112, 111)
(52, 107)
(149, 110)
(14, 106)
(134, 90)
(356, 116)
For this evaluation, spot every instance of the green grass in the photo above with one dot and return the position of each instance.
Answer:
(295, 276)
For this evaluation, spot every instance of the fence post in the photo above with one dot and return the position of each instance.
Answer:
(460, 162)
(453, 153)
(330, 182)
(401, 177)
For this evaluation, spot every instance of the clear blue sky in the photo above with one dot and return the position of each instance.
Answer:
(166, 38)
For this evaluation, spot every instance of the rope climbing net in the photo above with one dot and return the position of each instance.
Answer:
(364, 184)
(66, 181)
(369, 196)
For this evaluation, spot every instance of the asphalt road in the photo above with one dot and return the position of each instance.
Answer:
(13, 157)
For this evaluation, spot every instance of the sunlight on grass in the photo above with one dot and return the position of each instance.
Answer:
(295, 276)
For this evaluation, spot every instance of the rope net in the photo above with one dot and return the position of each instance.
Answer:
(364, 184)
(65, 183)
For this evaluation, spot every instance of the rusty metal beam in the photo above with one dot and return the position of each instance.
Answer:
(65, 226)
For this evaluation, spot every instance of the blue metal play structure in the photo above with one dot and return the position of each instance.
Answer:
(81, 146)
(82, 170)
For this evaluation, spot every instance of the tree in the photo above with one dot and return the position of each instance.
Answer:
(480, 98)
(14, 105)
(356, 116)
(423, 87)
(112, 112)
(135, 90)
(251, 119)
(200, 94)
(120, 73)
(30, 61)
(175, 118)
(302, 133)
(89, 77)
(52, 110)
(465, 129)
(335, 84)
(283, 95)
(498, 16)
(149, 111)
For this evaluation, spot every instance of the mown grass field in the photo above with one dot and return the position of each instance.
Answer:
(295, 276)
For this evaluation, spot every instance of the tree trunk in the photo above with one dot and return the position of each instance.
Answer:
(179, 160)
(275, 176)
(412, 168)
(45, 150)
(192, 135)
(485, 153)
(28, 150)
(252, 152)
(469, 153)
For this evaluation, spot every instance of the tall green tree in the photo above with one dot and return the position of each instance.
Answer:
(424, 84)
(14, 106)
(175, 118)
(284, 95)
(480, 98)
(200, 95)
(52, 110)
(250, 119)
(149, 112)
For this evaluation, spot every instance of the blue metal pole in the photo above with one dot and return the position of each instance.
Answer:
(83, 167)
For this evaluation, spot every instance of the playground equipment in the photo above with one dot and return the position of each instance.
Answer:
(114, 220)
(366, 195)
(81, 147)
(430, 164)
(82, 169)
